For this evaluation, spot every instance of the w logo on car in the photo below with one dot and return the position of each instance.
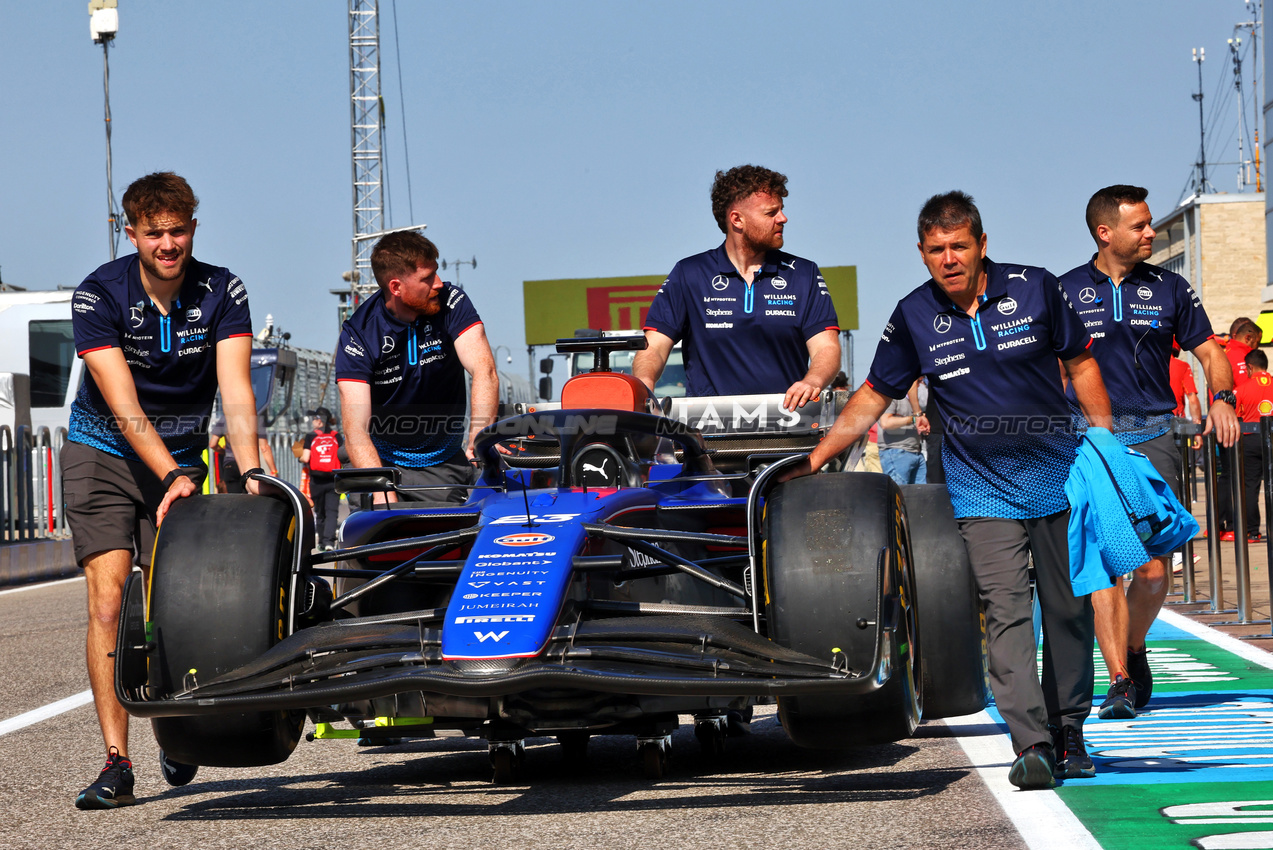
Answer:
(525, 538)
(483, 637)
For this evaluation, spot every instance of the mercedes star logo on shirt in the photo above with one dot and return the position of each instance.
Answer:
(941, 324)
(1087, 295)
(720, 282)
(387, 345)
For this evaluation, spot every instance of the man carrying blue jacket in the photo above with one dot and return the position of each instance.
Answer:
(988, 337)
(1135, 312)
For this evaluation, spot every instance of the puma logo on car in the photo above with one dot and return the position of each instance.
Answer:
(600, 470)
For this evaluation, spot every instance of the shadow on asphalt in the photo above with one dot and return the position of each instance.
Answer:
(450, 777)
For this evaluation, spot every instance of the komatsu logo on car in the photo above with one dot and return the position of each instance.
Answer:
(526, 538)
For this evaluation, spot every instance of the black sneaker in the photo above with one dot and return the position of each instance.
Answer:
(1073, 762)
(1138, 670)
(1120, 703)
(176, 773)
(113, 788)
(1034, 768)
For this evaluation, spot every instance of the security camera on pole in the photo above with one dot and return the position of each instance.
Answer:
(102, 26)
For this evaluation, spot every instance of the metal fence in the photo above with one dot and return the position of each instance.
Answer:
(1215, 457)
(31, 484)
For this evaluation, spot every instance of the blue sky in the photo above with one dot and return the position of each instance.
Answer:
(579, 139)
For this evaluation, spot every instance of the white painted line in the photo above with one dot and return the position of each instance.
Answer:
(41, 585)
(1044, 822)
(1240, 648)
(53, 709)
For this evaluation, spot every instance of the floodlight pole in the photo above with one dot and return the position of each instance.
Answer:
(112, 226)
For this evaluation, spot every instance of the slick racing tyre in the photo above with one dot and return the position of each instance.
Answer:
(955, 671)
(837, 555)
(219, 599)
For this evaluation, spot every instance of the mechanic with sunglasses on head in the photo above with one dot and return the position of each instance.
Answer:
(988, 336)
(159, 332)
(1135, 313)
(752, 318)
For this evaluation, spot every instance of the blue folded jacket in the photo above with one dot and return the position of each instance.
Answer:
(1122, 513)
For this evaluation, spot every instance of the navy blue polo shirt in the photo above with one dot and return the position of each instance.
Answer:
(172, 358)
(418, 396)
(1132, 326)
(1009, 439)
(742, 338)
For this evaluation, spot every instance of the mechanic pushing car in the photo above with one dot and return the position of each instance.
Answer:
(159, 331)
(752, 318)
(1135, 313)
(988, 336)
(400, 366)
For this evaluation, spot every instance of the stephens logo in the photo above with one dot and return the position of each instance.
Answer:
(525, 538)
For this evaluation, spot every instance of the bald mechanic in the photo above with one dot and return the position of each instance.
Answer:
(752, 318)
(988, 336)
(159, 331)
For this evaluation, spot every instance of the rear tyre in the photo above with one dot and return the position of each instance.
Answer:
(836, 553)
(955, 668)
(219, 598)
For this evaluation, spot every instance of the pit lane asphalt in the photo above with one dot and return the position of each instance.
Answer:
(764, 792)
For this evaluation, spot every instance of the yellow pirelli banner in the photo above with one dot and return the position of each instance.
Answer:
(557, 308)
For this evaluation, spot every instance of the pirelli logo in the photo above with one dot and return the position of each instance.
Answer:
(615, 308)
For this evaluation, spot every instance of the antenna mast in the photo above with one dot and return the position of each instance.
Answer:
(1234, 45)
(1200, 184)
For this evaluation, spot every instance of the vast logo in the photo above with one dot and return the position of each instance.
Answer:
(941, 324)
(616, 308)
(525, 538)
(483, 637)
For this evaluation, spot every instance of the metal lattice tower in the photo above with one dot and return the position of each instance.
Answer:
(368, 153)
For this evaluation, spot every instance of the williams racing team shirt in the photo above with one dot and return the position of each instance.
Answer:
(1009, 439)
(742, 338)
(1132, 326)
(418, 396)
(172, 358)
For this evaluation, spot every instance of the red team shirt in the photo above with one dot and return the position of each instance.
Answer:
(1255, 397)
(1237, 352)
(1181, 384)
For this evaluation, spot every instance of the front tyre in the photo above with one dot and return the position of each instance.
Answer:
(837, 554)
(219, 597)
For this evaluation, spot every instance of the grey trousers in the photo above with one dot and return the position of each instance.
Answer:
(999, 551)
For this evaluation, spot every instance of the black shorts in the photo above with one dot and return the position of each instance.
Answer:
(1165, 456)
(110, 502)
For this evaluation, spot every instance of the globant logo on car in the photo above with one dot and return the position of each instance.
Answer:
(525, 538)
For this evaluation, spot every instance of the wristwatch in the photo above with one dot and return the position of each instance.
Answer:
(1229, 397)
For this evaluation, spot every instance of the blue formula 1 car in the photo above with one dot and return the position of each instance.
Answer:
(618, 566)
